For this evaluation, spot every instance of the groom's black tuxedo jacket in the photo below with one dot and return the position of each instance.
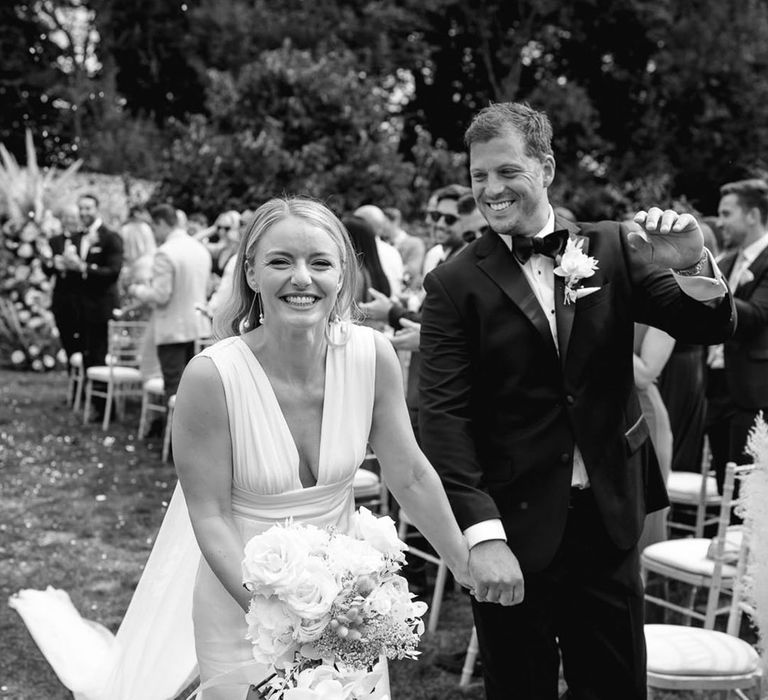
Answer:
(501, 410)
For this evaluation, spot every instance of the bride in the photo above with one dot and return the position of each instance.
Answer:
(272, 422)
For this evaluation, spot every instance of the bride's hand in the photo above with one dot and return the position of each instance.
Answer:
(462, 576)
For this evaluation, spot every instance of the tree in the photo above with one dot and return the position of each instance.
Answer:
(291, 122)
(28, 73)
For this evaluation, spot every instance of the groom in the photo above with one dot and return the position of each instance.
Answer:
(529, 413)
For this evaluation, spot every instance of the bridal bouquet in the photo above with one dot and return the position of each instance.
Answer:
(326, 606)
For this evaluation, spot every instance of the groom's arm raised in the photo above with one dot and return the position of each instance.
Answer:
(446, 434)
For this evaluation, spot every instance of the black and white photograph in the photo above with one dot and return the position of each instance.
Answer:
(383, 350)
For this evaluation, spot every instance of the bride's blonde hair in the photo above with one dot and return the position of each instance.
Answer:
(242, 306)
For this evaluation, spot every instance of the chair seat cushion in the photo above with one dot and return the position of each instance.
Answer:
(688, 554)
(675, 650)
(366, 483)
(154, 385)
(102, 373)
(686, 487)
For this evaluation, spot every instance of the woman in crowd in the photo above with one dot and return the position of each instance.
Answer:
(371, 273)
(652, 349)
(273, 420)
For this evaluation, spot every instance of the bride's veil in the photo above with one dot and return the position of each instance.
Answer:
(152, 656)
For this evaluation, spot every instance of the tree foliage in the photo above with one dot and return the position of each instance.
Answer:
(650, 99)
(292, 123)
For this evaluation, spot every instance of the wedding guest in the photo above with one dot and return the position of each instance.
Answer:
(652, 350)
(272, 421)
(743, 216)
(411, 248)
(447, 221)
(180, 275)
(371, 273)
(529, 412)
(391, 262)
(99, 260)
(67, 280)
(221, 239)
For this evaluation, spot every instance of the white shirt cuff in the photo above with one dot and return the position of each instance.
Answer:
(704, 288)
(484, 531)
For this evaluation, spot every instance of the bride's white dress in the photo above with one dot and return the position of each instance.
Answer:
(265, 490)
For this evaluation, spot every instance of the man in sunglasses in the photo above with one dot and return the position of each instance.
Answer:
(446, 220)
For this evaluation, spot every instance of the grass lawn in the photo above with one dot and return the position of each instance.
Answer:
(79, 509)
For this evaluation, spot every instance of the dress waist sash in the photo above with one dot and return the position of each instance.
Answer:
(324, 504)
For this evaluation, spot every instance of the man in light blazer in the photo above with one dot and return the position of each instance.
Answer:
(529, 412)
(180, 274)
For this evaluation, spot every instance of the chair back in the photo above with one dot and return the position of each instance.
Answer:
(739, 603)
(125, 342)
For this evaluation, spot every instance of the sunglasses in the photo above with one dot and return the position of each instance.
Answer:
(450, 219)
(225, 228)
(476, 233)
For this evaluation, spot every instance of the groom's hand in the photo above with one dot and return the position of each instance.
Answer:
(496, 573)
(667, 239)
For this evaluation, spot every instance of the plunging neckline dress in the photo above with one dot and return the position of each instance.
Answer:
(266, 488)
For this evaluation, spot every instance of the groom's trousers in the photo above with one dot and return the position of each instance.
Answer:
(587, 605)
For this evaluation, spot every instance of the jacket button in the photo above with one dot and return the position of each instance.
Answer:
(570, 400)
(565, 457)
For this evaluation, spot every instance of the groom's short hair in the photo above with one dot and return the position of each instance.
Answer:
(752, 193)
(500, 117)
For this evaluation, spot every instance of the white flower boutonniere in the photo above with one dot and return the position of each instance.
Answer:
(575, 265)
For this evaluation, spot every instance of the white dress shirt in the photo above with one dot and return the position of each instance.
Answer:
(539, 271)
(745, 257)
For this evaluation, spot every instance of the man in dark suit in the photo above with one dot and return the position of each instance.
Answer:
(65, 301)
(528, 411)
(99, 260)
(743, 215)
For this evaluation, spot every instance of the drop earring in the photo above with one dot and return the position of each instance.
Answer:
(245, 324)
(261, 310)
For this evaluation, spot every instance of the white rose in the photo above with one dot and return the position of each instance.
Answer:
(312, 592)
(380, 533)
(574, 263)
(17, 357)
(270, 629)
(273, 559)
(356, 557)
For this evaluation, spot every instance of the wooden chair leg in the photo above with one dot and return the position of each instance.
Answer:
(87, 407)
(78, 393)
(108, 407)
(469, 660)
(437, 596)
(143, 414)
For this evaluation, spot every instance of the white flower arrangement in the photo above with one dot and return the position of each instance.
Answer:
(326, 607)
(574, 266)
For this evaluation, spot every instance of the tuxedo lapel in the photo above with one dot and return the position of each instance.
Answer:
(726, 264)
(497, 262)
(565, 313)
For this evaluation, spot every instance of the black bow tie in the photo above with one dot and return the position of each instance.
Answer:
(551, 245)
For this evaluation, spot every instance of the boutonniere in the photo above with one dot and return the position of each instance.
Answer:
(746, 277)
(574, 266)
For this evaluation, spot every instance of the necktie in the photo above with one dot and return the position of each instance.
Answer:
(550, 245)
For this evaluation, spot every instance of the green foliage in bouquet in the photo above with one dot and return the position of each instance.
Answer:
(28, 335)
